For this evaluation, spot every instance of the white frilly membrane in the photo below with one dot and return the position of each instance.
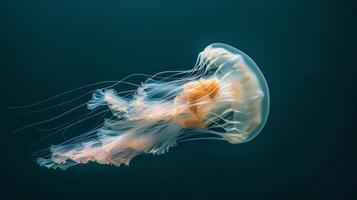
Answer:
(224, 97)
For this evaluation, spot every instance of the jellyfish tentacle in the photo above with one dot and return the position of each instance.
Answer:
(56, 96)
(63, 129)
(116, 82)
(80, 118)
(48, 120)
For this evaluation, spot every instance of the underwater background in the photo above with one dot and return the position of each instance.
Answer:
(305, 49)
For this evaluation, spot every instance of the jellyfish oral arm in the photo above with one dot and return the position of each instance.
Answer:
(109, 98)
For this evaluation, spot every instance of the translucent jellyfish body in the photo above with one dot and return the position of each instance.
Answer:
(224, 97)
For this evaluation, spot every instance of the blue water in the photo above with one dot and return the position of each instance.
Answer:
(303, 48)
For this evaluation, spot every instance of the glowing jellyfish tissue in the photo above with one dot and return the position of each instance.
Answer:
(224, 97)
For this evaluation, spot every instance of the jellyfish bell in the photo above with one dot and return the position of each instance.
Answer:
(244, 99)
(224, 97)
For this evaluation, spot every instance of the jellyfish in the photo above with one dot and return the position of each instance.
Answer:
(224, 97)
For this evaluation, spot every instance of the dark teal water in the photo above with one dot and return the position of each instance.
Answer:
(304, 48)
